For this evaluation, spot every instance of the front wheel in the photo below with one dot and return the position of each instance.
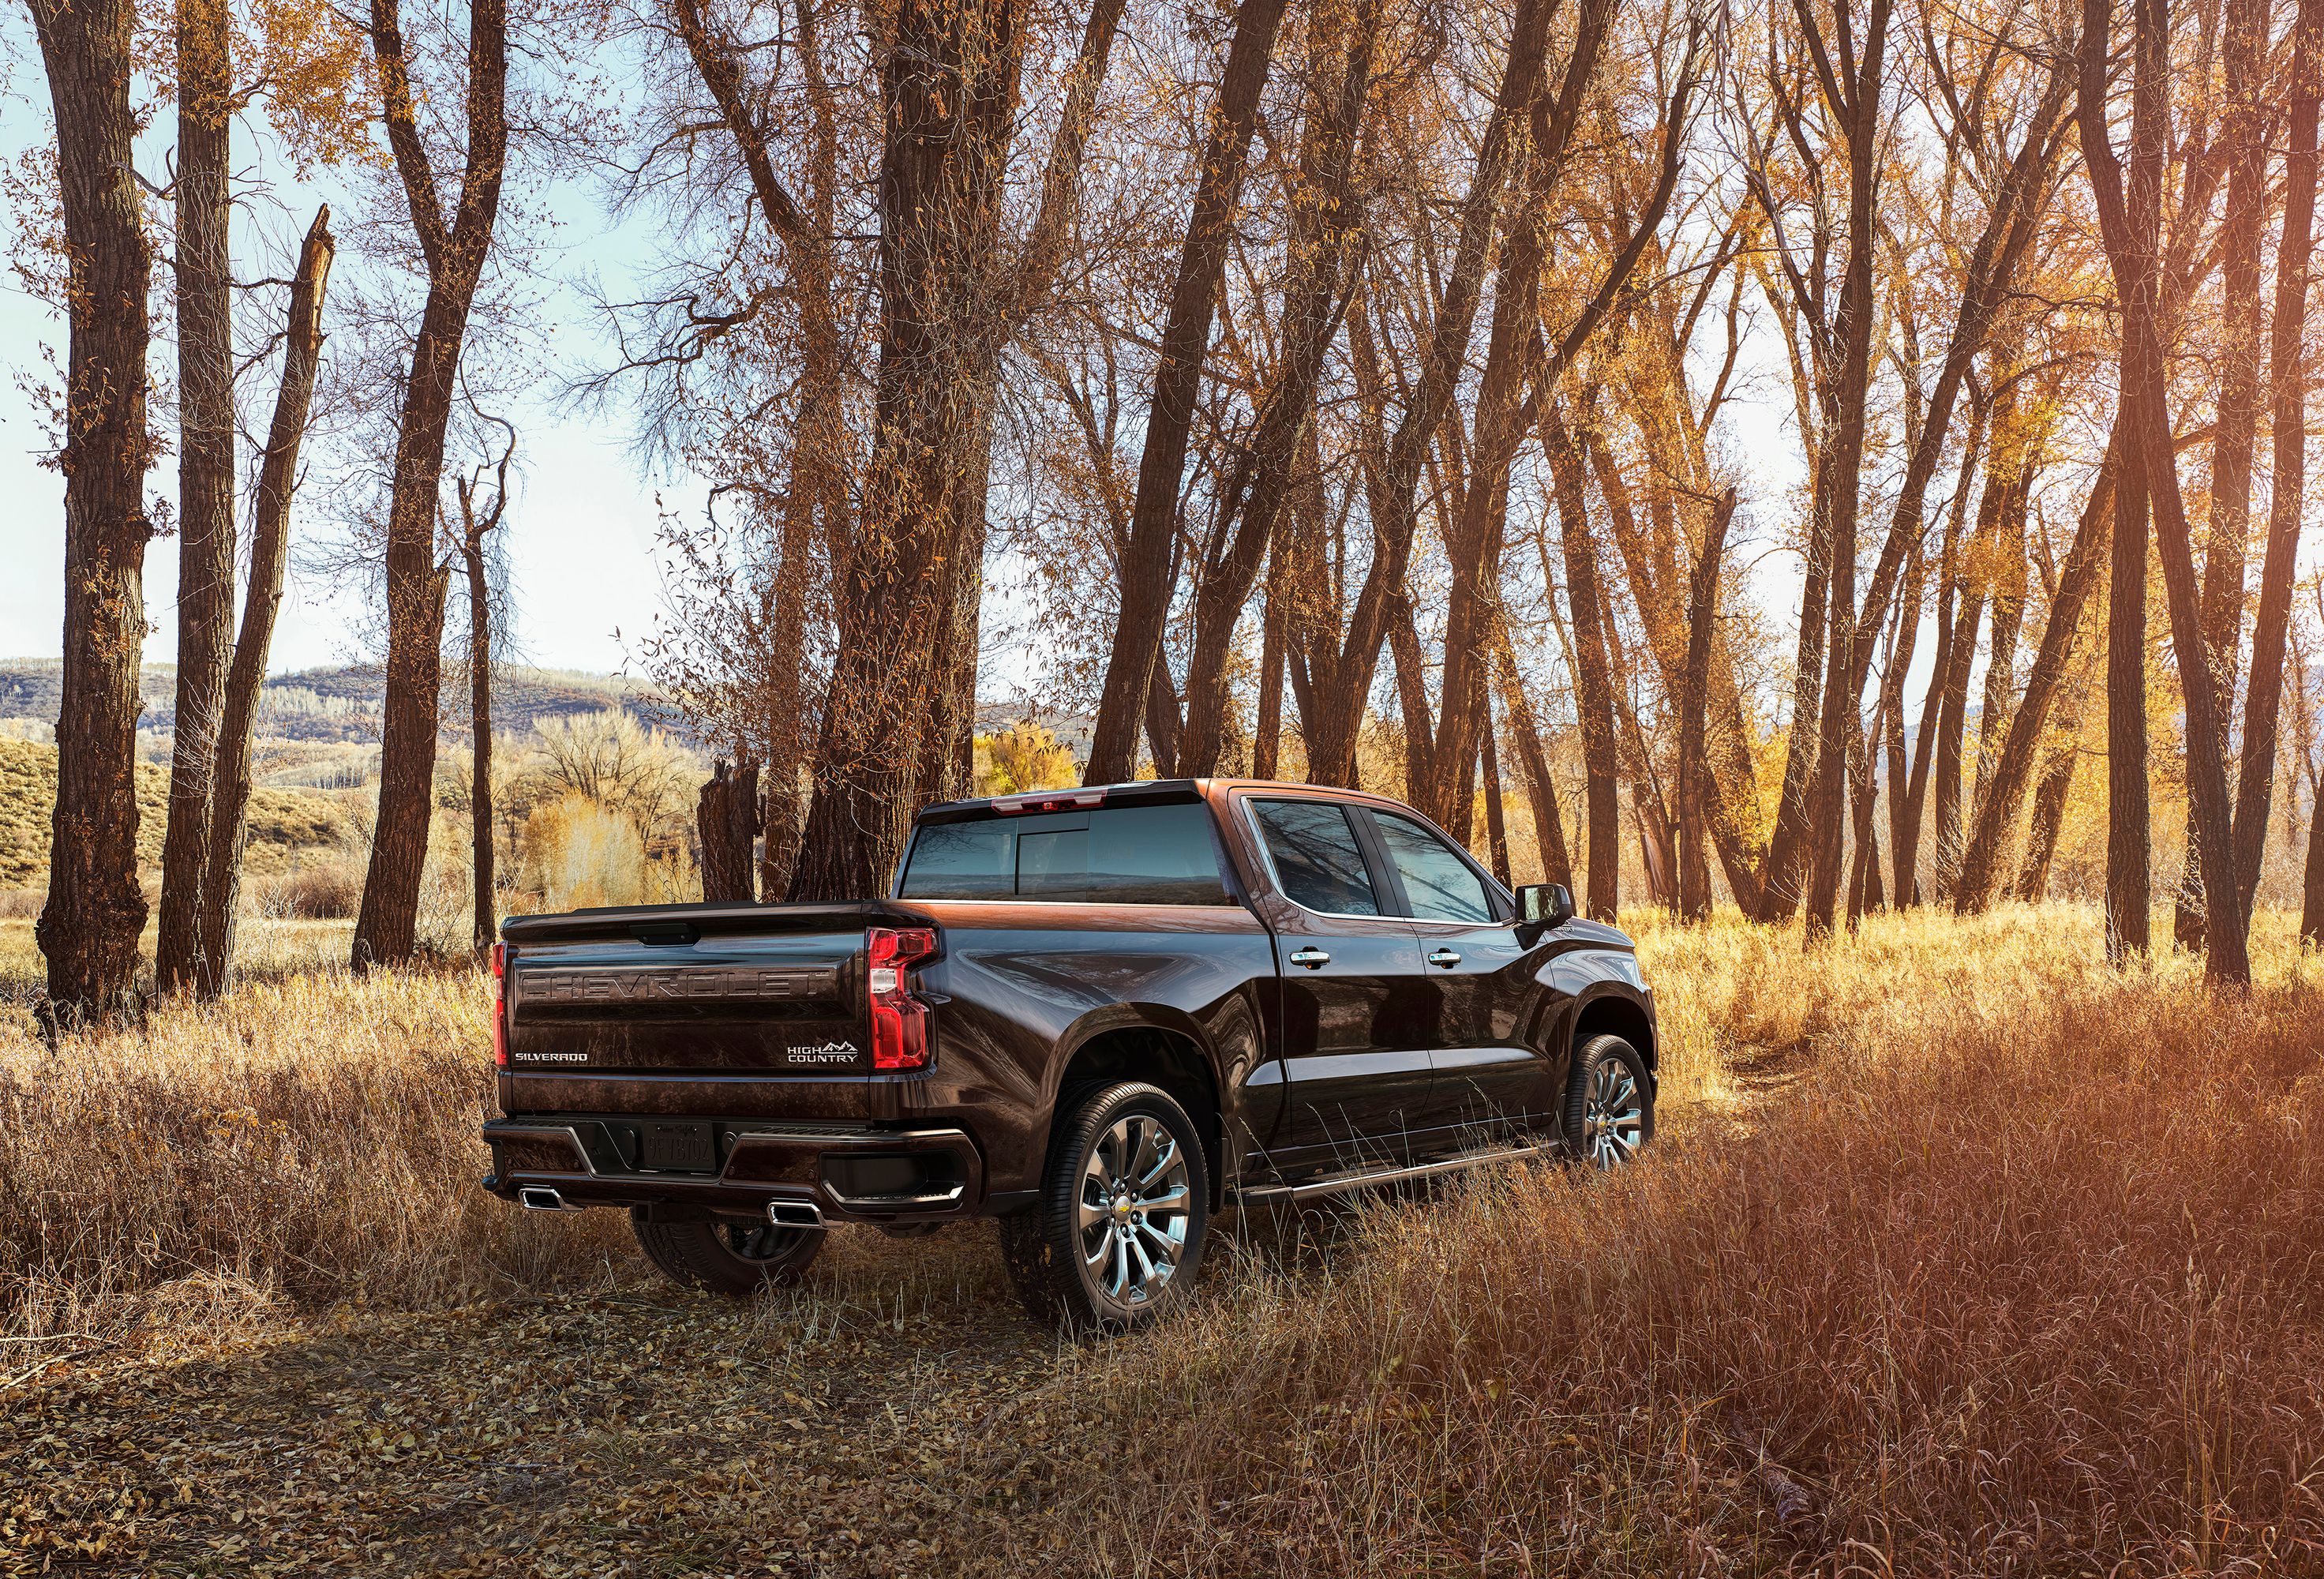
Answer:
(726, 1258)
(1609, 1103)
(1117, 1234)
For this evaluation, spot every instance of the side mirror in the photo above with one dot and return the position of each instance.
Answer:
(1544, 905)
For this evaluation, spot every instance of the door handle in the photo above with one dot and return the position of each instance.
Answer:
(1313, 958)
(1445, 957)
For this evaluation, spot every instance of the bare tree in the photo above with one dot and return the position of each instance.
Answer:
(2288, 425)
(1146, 581)
(1694, 772)
(2131, 250)
(206, 463)
(89, 927)
(480, 515)
(270, 553)
(454, 251)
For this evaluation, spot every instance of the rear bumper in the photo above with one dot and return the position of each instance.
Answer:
(848, 1172)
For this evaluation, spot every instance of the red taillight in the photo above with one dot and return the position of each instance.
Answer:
(899, 1022)
(499, 1006)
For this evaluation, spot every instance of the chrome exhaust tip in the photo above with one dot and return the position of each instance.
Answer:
(538, 1198)
(795, 1215)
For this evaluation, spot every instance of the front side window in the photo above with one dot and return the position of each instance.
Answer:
(1440, 885)
(1316, 857)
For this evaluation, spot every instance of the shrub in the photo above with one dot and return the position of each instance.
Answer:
(580, 852)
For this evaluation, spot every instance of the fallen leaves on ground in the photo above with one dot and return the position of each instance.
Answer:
(864, 1425)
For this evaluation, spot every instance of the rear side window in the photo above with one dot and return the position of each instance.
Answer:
(962, 861)
(1121, 856)
(1316, 858)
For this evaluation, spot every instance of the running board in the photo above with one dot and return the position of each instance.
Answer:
(1342, 1183)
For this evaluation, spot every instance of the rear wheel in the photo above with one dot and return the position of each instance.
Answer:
(1609, 1103)
(1117, 1234)
(726, 1258)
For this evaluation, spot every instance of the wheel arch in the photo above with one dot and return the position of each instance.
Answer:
(1611, 1012)
(1170, 1056)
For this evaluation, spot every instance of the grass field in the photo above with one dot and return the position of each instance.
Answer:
(1958, 1254)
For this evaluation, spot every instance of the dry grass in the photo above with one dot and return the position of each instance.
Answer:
(2013, 1264)
(2022, 1272)
(308, 1139)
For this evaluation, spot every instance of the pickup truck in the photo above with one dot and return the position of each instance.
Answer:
(1100, 1016)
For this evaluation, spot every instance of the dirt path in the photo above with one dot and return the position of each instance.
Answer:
(884, 1422)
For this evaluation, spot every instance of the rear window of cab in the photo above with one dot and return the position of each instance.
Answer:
(1121, 856)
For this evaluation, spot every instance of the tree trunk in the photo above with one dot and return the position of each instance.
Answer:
(1411, 703)
(2243, 123)
(2130, 851)
(183, 949)
(2288, 419)
(1980, 863)
(1326, 267)
(2009, 585)
(1541, 791)
(2130, 253)
(387, 923)
(1695, 779)
(1516, 361)
(1952, 725)
(726, 824)
(1267, 738)
(950, 86)
(2007, 237)
(1497, 828)
(269, 554)
(487, 920)
(2312, 887)
(1146, 581)
(89, 927)
(1392, 484)
(1653, 574)
(1951, 586)
(1592, 678)
(1839, 464)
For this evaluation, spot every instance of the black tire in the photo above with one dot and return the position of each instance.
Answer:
(1588, 1136)
(1129, 1278)
(726, 1258)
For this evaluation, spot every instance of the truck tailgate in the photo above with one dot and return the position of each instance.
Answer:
(775, 990)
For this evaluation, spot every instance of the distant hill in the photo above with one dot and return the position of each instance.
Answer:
(338, 705)
(284, 824)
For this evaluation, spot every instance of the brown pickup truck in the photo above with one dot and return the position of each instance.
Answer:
(1098, 1015)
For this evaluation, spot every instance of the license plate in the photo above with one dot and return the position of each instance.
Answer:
(678, 1147)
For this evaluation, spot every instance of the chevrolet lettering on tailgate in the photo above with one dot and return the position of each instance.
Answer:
(645, 985)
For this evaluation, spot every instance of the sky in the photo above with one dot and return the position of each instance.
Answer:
(580, 522)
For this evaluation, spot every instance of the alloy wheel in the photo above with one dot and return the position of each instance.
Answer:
(1131, 1212)
(1615, 1119)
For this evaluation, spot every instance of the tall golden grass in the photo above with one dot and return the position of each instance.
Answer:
(307, 1139)
(2010, 1262)
(2016, 1267)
